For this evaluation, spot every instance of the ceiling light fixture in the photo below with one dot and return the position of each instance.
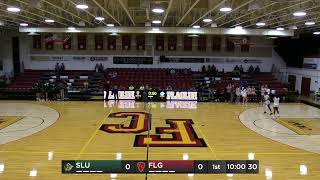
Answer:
(71, 28)
(196, 26)
(280, 29)
(157, 10)
(261, 24)
(49, 20)
(13, 9)
(299, 13)
(110, 25)
(207, 20)
(99, 18)
(82, 6)
(238, 27)
(316, 33)
(225, 9)
(23, 24)
(309, 23)
(156, 21)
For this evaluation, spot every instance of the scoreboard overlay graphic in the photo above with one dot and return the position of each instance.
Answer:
(161, 166)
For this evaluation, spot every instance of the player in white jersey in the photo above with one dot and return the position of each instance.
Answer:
(244, 95)
(276, 103)
(266, 103)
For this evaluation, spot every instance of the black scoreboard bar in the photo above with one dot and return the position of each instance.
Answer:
(161, 166)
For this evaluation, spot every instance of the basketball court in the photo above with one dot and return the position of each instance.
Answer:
(79, 130)
(159, 89)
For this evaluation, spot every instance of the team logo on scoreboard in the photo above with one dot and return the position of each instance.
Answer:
(68, 167)
(141, 166)
(180, 131)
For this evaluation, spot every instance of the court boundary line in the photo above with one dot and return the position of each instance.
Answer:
(203, 136)
(93, 134)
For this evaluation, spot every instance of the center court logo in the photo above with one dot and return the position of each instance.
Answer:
(181, 131)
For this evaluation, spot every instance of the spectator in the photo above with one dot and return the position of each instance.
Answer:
(169, 88)
(131, 87)
(57, 68)
(251, 69)
(106, 89)
(141, 88)
(115, 93)
(236, 70)
(62, 89)
(228, 92)
(238, 94)
(211, 94)
(241, 69)
(203, 69)
(257, 69)
(317, 95)
(62, 68)
(101, 67)
(96, 68)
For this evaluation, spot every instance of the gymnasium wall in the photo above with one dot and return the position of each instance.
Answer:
(261, 54)
(302, 72)
(261, 50)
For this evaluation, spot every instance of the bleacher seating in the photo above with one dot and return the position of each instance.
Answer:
(266, 78)
(26, 80)
(154, 78)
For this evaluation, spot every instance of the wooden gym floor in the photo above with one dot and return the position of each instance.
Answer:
(71, 130)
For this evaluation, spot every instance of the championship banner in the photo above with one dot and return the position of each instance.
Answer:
(36, 42)
(98, 42)
(140, 42)
(172, 42)
(126, 42)
(202, 43)
(82, 42)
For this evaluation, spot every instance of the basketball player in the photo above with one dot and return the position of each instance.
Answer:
(244, 96)
(276, 103)
(266, 103)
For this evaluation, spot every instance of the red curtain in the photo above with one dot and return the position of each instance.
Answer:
(230, 44)
(67, 42)
(172, 42)
(126, 42)
(216, 43)
(49, 41)
(202, 43)
(82, 42)
(112, 43)
(98, 41)
(36, 42)
(187, 43)
(160, 42)
(140, 42)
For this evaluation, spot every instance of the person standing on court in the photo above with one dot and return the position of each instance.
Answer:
(276, 104)
(115, 93)
(106, 89)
